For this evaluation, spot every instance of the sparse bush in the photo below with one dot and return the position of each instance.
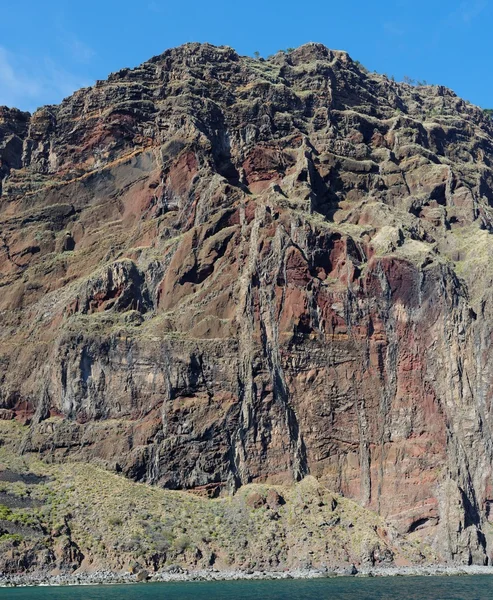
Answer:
(5, 513)
(361, 67)
(182, 543)
(415, 82)
(13, 538)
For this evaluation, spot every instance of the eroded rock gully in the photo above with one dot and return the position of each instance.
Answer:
(277, 268)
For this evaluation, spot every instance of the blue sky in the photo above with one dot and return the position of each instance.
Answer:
(50, 48)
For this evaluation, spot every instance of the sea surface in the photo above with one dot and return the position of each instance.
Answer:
(343, 588)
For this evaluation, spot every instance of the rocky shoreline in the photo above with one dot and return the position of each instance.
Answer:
(180, 575)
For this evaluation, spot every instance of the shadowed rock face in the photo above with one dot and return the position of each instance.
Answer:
(277, 268)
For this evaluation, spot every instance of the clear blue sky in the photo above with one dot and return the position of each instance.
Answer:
(50, 48)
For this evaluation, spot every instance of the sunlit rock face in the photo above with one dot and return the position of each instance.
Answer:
(217, 270)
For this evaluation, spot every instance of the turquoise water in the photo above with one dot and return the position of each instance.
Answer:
(344, 588)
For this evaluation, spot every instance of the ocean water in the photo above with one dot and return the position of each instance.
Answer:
(343, 588)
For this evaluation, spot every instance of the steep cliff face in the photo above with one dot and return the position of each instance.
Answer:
(217, 271)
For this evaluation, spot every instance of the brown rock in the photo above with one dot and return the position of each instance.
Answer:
(274, 500)
(255, 500)
(142, 575)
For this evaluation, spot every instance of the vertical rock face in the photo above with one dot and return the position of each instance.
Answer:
(13, 129)
(217, 270)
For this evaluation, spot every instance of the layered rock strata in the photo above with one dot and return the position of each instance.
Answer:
(216, 270)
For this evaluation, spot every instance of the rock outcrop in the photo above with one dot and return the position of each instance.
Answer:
(216, 271)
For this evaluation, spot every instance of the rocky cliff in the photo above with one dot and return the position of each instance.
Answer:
(218, 271)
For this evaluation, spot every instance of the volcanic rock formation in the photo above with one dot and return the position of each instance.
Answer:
(216, 270)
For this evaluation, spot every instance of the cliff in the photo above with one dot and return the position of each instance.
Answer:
(218, 271)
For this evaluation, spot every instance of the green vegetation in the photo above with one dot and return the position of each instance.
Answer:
(20, 517)
(361, 67)
(489, 112)
(5, 513)
(14, 538)
(415, 82)
(117, 522)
